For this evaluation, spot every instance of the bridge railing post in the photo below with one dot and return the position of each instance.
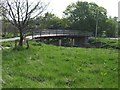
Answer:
(56, 32)
(40, 33)
(63, 31)
(69, 32)
(49, 32)
(32, 34)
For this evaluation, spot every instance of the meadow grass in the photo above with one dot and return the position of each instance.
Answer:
(107, 43)
(48, 66)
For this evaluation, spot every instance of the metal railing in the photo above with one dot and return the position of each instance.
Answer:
(51, 32)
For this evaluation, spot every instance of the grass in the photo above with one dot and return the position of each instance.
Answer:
(48, 66)
(106, 43)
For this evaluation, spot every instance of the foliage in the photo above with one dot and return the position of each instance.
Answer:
(47, 21)
(83, 15)
(110, 27)
(105, 43)
(47, 66)
(8, 30)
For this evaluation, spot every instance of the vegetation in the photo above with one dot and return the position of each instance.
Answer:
(48, 66)
(20, 12)
(105, 43)
(48, 21)
(84, 21)
(84, 16)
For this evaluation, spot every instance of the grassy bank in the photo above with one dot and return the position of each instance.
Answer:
(105, 43)
(48, 66)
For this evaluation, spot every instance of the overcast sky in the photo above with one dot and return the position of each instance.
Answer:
(58, 6)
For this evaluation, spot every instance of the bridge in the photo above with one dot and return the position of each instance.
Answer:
(75, 37)
(57, 33)
(58, 37)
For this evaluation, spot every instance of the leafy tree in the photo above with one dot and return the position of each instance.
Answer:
(8, 30)
(48, 21)
(110, 27)
(65, 23)
(20, 12)
(83, 16)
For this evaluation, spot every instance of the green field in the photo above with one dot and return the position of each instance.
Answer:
(48, 66)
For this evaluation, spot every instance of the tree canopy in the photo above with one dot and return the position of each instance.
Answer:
(83, 16)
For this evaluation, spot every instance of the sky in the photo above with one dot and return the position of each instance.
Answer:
(58, 6)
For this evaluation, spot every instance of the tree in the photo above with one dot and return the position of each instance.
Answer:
(48, 21)
(83, 16)
(65, 23)
(20, 12)
(8, 29)
(119, 29)
(110, 27)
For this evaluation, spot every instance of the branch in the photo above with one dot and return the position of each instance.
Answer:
(13, 15)
(43, 8)
(26, 16)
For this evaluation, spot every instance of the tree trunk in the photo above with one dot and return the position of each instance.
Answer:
(21, 39)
